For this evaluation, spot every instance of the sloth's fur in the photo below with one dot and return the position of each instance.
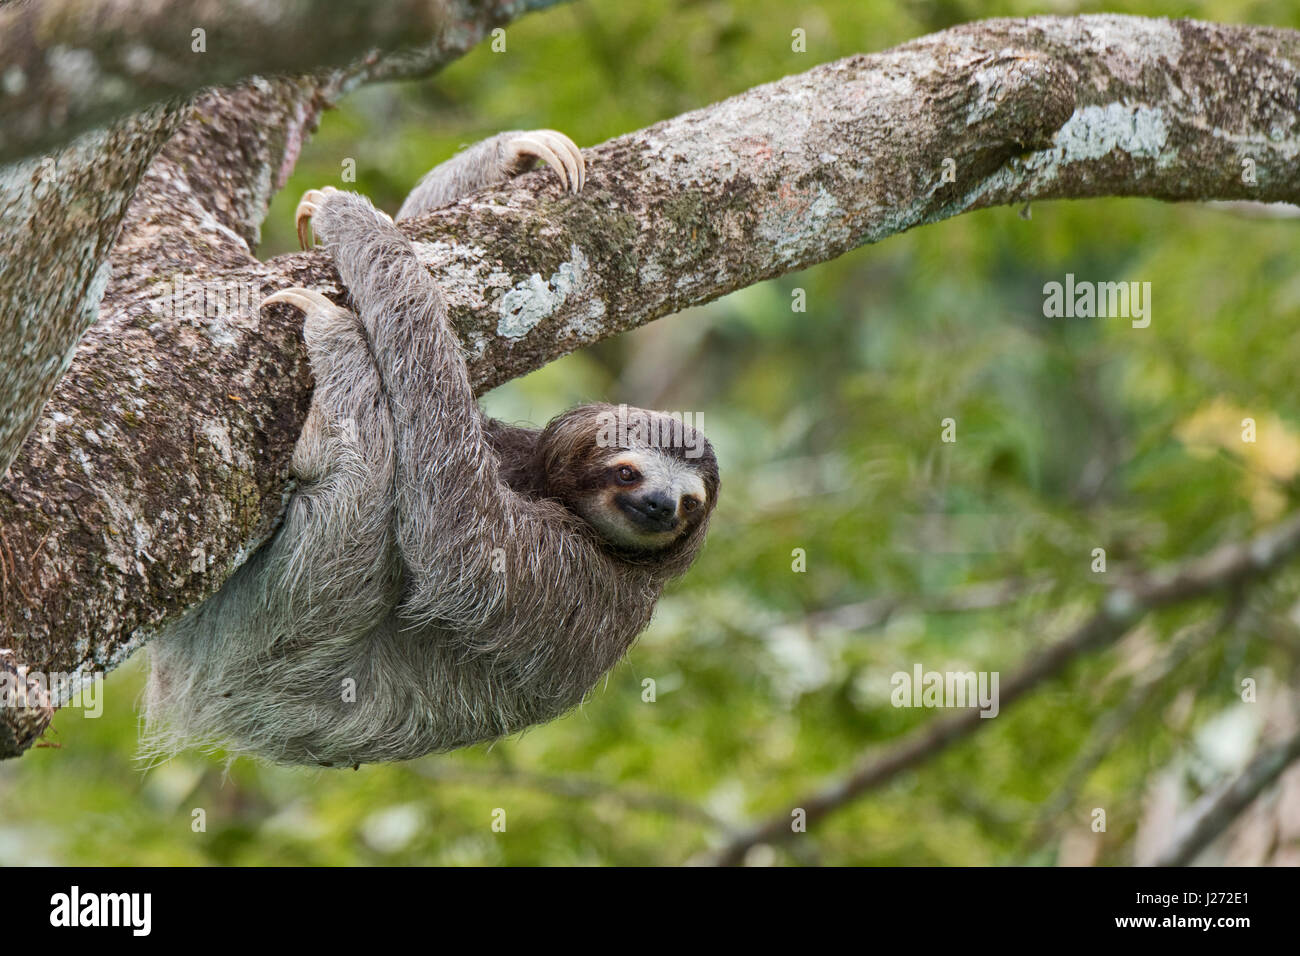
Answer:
(433, 559)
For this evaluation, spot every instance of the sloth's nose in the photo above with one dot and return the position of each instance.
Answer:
(658, 506)
(653, 511)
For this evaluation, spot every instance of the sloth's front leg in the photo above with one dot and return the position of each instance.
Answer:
(495, 160)
(451, 509)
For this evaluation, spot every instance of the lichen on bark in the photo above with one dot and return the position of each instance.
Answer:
(161, 461)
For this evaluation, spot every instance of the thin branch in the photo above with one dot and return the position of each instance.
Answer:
(1216, 811)
(1181, 648)
(876, 612)
(1227, 567)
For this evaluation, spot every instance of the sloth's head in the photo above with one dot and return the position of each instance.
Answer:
(645, 481)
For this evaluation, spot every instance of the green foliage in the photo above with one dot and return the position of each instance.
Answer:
(1072, 434)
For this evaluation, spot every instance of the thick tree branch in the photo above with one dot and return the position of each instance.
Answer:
(62, 212)
(198, 210)
(121, 513)
(61, 218)
(69, 66)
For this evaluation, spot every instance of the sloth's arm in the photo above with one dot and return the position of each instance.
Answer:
(494, 161)
(454, 516)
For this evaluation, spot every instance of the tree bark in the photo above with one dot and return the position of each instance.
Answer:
(62, 214)
(65, 216)
(69, 66)
(160, 462)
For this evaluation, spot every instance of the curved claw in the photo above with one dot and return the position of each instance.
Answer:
(569, 155)
(308, 206)
(304, 300)
(558, 151)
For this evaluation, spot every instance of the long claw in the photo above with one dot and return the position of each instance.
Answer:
(308, 206)
(568, 152)
(304, 300)
(529, 145)
(302, 218)
(578, 159)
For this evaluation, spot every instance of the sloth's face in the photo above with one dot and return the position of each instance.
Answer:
(644, 499)
(646, 481)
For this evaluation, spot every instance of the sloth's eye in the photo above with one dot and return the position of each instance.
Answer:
(689, 503)
(627, 475)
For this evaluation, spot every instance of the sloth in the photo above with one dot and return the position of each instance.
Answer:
(439, 578)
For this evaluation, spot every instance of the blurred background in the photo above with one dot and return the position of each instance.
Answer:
(1072, 435)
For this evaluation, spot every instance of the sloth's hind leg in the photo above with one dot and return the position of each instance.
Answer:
(334, 564)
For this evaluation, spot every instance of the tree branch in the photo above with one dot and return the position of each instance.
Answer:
(122, 513)
(62, 216)
(198, 210)
(874, 613)
(1142, 695)
(70, 66)
(570, 787)
(1226, 568)
(1216, 811)
(63, 211)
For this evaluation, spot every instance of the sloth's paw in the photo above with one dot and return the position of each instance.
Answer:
(327, 329)
(314, 200)
(557, 150)
(308, 206)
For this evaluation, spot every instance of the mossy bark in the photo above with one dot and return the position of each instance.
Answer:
(161, 461)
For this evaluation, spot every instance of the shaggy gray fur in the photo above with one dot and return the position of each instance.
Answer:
(463, 604)
(483, 164)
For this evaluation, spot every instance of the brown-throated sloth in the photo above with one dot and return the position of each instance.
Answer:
(440, 578)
